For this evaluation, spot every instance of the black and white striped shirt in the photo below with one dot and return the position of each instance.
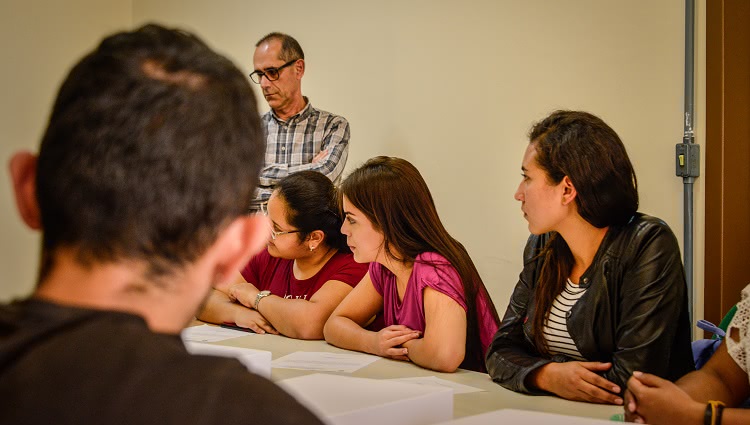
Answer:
(556, 325)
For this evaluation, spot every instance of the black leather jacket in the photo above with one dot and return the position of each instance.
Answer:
(634, 313)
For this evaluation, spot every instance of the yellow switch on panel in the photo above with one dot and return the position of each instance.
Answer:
(682, 160)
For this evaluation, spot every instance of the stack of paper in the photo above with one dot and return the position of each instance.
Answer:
(344, 400)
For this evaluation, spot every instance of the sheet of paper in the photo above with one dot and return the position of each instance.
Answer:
(256, 361)
(438, 382)
(349, 400)
(207, 333)
(512, 416)
(324, 362)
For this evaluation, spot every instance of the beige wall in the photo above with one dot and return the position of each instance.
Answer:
(453, 87)
(40, 41)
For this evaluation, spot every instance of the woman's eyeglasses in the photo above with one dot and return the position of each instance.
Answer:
(274, 234)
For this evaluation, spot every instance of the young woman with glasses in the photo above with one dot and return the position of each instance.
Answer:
(293, 286)
(602, 292)
(436, 310)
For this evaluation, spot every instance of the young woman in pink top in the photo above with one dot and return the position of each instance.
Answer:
(436, 310)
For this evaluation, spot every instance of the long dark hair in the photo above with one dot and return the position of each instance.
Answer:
(584, 148)
(312, 203)
(392, 194)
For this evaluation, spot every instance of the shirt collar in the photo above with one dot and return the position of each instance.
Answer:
(299, 116)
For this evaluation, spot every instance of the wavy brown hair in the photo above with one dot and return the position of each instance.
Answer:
(392, 194)
(584, 148)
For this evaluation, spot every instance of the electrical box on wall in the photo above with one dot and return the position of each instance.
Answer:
(688, 160)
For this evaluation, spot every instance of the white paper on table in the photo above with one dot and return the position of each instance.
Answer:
(324, 362)
(206, 333)
(438, 382)
(347, 400)
(513, 416)
(256, 361)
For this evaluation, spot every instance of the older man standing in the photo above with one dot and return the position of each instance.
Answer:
(298, 136)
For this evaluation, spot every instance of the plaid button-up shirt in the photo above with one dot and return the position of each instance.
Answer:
(291, 145)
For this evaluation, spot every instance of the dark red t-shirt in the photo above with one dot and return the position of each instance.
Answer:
(276, 275)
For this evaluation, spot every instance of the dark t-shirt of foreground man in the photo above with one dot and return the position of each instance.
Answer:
(140, 188)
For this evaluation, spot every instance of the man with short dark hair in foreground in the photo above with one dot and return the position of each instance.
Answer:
(140, 189)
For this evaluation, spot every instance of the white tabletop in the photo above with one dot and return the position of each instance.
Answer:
(493, 396)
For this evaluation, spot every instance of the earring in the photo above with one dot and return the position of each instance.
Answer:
(312, 248)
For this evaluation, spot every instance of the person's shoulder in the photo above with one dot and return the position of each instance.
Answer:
(435, 271)
(342, 267)
(643, 227)
(346, 260)
(213, 390)
(643, 221)
(226, 397)
(119, 367)
(534, 246)
(379, 274)
(430, 257)
(267, 117)
(327, 116)
(264, 258)
(342, 258)
(162, 364)
(642, 235)
(432, 263)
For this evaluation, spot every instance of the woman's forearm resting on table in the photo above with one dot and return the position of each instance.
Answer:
(343, 332)
(300, 318)
(219, 308)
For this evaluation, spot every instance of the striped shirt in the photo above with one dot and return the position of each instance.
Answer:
(556, 325)
(291, 146)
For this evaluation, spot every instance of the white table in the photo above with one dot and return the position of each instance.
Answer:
(493, 397)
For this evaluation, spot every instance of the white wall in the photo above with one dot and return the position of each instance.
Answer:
(39, 41)
(454, 86)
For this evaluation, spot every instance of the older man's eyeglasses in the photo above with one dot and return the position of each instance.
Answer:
(271, 73)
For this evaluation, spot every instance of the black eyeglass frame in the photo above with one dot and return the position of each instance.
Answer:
(272, 74)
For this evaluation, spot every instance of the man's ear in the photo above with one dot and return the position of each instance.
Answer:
(239, 241)
(22, 168)
(300, 68)
(569, 191)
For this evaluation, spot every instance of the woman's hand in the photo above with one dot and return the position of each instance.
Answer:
(631, 414)
(255, 321)
(243, 293)
(658, 401)
(387, 342)
(577, 381)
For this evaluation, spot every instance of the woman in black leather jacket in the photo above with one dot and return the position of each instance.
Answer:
(602, 292)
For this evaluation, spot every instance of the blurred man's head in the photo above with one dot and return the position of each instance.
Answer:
(152, 153)
(153, 145)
